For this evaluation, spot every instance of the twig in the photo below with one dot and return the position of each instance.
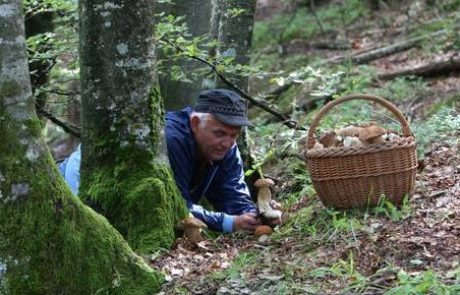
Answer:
(74, 130)
(72, 93)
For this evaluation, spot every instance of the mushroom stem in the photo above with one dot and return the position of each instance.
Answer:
(192, 228)
(193, 234)
(263, 199)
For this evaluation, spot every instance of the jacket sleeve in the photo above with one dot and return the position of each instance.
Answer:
(230, 193)
(181, 161)
(72, 171)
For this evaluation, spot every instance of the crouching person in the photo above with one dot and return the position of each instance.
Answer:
(205, 160)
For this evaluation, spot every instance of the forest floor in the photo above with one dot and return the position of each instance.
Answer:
(414, 249)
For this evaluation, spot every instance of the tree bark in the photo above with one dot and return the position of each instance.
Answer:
(234, 34)
(178, 94)
(50, 243)
(125, 173)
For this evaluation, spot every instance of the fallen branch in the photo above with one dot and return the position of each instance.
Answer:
(434, 69)
(365, 57)
(368, 55)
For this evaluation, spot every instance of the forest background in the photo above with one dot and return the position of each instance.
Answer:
(296, 56)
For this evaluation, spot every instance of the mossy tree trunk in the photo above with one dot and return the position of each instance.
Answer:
(125, 173)
(234, 33)
(50, 242)
(180, 93)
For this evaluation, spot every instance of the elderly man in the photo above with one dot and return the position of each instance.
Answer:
(205, 160)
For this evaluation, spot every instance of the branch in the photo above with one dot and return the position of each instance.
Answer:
(367, 56)
(437, 68)
(74, 130)
(63, 93)
(285, 120)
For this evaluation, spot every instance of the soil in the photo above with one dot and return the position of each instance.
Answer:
(427, 238)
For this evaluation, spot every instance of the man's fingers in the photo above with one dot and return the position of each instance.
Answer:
(275, 205)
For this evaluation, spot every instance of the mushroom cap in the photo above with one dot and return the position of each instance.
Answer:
(264, 182)
(371, 132)
(263, 230)
(192, 222)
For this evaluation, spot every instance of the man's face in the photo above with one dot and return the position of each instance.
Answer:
(213, 137)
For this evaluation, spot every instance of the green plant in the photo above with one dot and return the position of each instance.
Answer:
(443, 126)
(425, 283)
(344, 271)
(388, 209)
(403, 89)
(239, 263)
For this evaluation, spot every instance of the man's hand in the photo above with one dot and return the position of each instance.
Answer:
(277, 206)
(246, 222)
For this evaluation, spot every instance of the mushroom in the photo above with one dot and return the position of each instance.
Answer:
(264, 197)
(371, 134)
(192, 228)
(317, 146)
(348, 131)
(328, 139)
(351, 141)
(263, 230)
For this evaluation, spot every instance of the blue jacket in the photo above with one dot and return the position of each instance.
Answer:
(222, 183)
(70, 170)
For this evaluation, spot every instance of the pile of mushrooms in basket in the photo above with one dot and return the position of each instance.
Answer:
(356, 135)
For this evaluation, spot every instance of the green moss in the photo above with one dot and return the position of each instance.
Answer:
(143, 204)
(50, 242)
(122, 178)
(35, 126)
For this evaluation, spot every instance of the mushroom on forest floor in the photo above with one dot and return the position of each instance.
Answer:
(192, 228)
(263, 230)
(264, 197)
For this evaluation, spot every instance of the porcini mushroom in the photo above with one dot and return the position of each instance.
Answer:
(263, 230)
(264, 197)
(192, 228)
(328, 139)
(371, 134)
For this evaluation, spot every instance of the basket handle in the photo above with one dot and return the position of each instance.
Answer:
(318, 116)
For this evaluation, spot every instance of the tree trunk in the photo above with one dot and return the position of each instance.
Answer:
(178, 94)
(125, 173)
(234, 33)
(50, 243)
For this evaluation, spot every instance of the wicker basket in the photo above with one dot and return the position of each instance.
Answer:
(357, 176)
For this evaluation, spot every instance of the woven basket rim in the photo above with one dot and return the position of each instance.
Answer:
(360, 149)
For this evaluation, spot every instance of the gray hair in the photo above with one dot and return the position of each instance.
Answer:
(204, 117)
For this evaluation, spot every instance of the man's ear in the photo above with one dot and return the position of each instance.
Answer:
(194, 123)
